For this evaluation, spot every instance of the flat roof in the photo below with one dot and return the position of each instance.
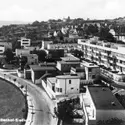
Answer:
(38, 68)
(52, 80)
(103, 98)
(70, 59)
(88, 64)
(68, 77)
(63, 62)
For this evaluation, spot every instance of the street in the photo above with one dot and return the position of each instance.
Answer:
(42, 106)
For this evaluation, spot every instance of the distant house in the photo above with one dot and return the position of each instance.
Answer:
(45, 44)
(25, 42)
(118, 36)
(64, 84)
(38, 71)
(67, 62)
(100, 106)
(22, 51)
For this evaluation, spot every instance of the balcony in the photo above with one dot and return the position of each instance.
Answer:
(114, 76)
(120, 64)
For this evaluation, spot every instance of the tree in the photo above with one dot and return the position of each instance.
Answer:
(77, 53)
(105, 35)
(22, 61)
(41, 54)
(16, 45)
(36, 23)
(9, 55)
(66, 109)
(92, 29)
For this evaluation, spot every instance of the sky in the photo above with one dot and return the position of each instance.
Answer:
(42, 10)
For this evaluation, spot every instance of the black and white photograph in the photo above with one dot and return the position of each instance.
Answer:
(62, 62)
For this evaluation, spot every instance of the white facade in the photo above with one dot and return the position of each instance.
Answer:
(65, 85)
(31, 48)
(45, 44)
(2, 49)
(25, 42)
(22, 51)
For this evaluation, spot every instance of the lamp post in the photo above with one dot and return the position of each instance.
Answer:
(26, 92)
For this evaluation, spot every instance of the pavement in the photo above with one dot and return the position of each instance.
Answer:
(40, 106)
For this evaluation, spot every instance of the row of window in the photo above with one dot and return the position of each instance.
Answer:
(59, 89)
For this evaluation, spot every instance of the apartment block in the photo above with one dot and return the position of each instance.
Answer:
(108, 56)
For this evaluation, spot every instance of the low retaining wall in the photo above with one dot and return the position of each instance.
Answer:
(48, 90)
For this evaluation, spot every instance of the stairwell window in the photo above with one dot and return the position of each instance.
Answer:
(69, 81)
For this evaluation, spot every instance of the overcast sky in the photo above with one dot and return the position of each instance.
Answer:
(31, 10)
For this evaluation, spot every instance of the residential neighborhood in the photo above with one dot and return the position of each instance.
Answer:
(65, 71)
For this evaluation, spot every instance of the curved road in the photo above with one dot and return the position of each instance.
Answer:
(43, 106)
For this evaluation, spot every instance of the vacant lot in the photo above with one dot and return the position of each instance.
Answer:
(12, 103)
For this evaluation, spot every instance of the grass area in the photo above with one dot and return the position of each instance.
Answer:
(12, 102)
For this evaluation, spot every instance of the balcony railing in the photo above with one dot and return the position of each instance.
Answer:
(113, 75)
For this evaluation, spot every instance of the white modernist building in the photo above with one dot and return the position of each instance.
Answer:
(67, 62)
(25, 42)
(64, 84)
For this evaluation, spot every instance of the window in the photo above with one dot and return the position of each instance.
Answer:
(57, 89)
(90, 70)
(69, 81)
(53, 88)
(93, 76)
(60, 89)
(72, 88)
